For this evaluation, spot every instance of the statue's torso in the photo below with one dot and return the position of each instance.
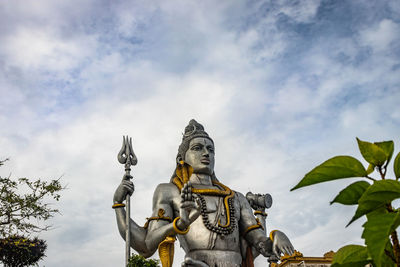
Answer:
(200, 243)
(201, 238)
(208, 246)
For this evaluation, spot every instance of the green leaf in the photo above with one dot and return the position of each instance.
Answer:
(351, 194)
(351, 256)
(335, 168)
(396, 166)
(372, 153)
(377, 195)
(387, 147)
(376, 234)
(370, 168)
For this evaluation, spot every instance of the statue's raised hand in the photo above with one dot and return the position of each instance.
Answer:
(125, 187)
(189, 209)
(281, 244)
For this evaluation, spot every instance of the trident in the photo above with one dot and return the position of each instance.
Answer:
(127, 156)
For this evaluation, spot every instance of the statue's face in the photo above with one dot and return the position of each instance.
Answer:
(200, 155)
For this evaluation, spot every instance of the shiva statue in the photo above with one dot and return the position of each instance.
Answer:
(215, 225)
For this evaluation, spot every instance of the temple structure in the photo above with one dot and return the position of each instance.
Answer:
(298, 260)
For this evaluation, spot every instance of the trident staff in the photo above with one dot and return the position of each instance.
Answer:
(127, 156)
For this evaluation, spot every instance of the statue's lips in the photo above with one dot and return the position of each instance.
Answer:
(205, 161)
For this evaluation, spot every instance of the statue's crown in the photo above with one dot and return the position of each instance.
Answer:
(193, 130)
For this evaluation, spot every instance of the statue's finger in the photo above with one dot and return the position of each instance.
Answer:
(130, 190)
(274, 249)
(197, 201)
(187, 204)
(128, 183)
(130, 187)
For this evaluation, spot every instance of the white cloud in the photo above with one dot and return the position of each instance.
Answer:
(381, 36)
(302, 11)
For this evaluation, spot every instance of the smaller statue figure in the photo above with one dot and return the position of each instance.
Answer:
(215, 225)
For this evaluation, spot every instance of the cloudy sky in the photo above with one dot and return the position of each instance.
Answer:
(281, 86)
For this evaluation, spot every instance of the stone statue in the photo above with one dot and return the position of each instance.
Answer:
(214, 224)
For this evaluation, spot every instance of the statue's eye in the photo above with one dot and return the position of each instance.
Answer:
(210, 149)
(196, 148)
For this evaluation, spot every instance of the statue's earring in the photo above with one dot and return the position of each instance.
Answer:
(179, 159)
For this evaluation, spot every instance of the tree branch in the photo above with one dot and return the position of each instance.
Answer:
(396, 246)
(368, 177)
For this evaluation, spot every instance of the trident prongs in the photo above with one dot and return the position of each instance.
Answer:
(126, 155)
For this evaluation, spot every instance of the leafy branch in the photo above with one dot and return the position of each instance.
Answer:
(373, 198)
(17, 209)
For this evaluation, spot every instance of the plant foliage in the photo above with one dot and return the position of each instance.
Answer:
(23, 205)
(374, 199)
(18, 251)
(22, 200)
(140, 261)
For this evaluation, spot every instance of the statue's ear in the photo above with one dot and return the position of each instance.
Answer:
(179, 158)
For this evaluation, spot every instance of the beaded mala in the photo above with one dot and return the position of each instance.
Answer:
(228, 195)
(218, 228)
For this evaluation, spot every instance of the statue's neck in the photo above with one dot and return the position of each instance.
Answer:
(200, 178)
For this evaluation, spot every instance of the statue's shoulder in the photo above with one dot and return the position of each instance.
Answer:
(238, 194)
(241, 198)
(166, 191)
(169, 186)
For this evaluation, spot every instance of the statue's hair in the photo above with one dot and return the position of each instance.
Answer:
(192, 130)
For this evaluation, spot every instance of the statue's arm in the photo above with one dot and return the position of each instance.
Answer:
(158, 230)
(261, 219)
(257, 239)
(254, 236)
(169, 201)
(137, 233)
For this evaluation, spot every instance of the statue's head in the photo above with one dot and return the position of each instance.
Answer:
(197, 149)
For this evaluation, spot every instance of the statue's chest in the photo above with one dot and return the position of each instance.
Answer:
(212, 204)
